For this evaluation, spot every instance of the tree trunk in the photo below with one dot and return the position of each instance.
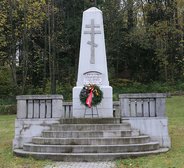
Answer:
(53, 73)
(25, 50)
(12, 53)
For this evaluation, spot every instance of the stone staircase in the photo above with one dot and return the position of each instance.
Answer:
(88, 139)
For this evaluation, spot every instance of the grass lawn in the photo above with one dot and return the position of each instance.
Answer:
(7, 160)
(172, 159)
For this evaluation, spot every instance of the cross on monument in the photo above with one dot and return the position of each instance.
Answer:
(92, 32)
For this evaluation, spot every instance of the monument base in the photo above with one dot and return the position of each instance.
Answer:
(104, 109)
(155, 127)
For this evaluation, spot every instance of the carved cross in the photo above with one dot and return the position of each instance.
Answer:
(92, 32)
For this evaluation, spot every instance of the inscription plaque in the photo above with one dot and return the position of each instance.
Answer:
(93, 78)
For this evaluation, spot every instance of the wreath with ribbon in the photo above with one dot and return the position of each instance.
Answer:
(91, 95)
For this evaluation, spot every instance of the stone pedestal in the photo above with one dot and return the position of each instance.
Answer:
(93, 65)
(104, 109)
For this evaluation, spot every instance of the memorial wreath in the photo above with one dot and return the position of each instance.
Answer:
(91, 95)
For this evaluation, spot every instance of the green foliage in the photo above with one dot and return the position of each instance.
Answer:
(62, 88)
(66, 91)
(7, 105)
(6, 83)
(121, 86)
(8, 109)
(7, 100)
(40, 41)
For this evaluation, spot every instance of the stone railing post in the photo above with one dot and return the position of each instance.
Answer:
(160, 105)
(21, 107)
(57, 105)
(124, 106)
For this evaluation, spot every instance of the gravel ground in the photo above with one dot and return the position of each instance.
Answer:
(83, 165)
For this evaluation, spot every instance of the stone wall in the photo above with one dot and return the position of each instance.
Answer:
(35, 113)
(146, 112)
(155, 127)
(26, 129)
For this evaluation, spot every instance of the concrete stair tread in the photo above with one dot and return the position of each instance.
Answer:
(120, 124)
(154, 151)
(87, 156)
(89, 120)
(111, 138)
(91, 140)
(80, 127)
(73, 148)
(89, 131)
(148, 143)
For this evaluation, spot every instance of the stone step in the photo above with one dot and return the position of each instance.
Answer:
(91, 141)
(86, 157)
(83, 134)
(89, 127)
(90, 121)
(91, 148)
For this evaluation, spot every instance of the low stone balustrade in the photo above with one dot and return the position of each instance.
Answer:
(67, 109)
(39, 106)
(36, 113)
(142, 105)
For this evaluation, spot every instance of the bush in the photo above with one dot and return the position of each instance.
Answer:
(6, 83)
(8, 105)
(121, 86)
(8, 109)
(7, 100)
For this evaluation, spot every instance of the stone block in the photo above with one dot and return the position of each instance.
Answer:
(57, 110)
(21, 109)
(107, 91)
(26, 129)
(105, 109)
(155, 127)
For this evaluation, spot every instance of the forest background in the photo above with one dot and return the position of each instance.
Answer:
(40, 42)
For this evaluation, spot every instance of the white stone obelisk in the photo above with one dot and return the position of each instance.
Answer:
(93, 65)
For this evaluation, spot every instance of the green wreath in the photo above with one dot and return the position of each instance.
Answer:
(97, 94)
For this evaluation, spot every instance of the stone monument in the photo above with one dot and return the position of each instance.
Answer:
(93, 65)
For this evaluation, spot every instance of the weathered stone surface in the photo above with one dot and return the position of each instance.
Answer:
(91, 141)
(100, 64)
(84, 142)
(92, 64)
(86, 157)
(39, 106)
(26, 129)
(91, 148)
(155, 127)
(142, 105)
